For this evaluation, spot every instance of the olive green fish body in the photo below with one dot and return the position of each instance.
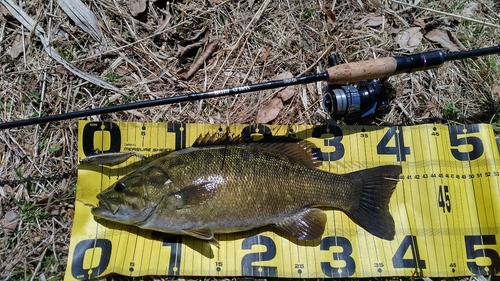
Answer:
(246, 195)
(223, 189)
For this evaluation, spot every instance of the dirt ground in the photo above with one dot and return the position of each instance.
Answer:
(126, 51)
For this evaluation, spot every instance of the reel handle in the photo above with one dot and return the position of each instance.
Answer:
(383, 67)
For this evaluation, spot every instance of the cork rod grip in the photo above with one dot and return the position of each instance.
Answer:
(362, 70)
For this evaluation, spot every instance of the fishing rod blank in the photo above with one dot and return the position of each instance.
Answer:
(169, 100)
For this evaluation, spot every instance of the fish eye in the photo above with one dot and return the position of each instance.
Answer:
(119, 187)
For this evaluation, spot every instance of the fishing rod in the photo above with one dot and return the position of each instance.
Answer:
(341, 97)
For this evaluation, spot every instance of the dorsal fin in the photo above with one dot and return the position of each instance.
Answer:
(216, 139)
(301, 152)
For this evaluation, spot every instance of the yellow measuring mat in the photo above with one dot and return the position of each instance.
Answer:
(446, 206)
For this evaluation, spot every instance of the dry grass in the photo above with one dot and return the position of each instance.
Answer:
(257, 41)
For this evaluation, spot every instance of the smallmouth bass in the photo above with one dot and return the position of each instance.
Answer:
(200, 191)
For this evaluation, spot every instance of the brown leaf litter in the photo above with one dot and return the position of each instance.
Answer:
(410, 39)
(447, 39)
(271, 110)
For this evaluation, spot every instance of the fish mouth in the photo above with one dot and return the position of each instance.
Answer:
(104, 207)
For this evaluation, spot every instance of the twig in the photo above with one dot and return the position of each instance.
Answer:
(327, 50)
(204, 56)
(39, 265)
(447, 14)
(251, 67)
(490, 9)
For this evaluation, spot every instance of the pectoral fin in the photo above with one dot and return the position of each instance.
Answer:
(194, 195)
(204, 234)
(307, 225)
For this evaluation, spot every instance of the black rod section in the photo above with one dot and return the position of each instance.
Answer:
(162, 101)
(434, 59)
(472, 53)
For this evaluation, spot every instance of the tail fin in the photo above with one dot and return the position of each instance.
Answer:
(372, 210)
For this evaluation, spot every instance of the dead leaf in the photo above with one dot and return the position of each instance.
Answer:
(269, 112)
(17, 47)
(70, 214)
(330, 17)
(165, 23)
(266, 53)
(182, 51)
(197, 36)
(446, 39)
(5, 12)
(288, 91)
(136, 7)
(393, 30)
(9, 222)
(419, 22)
(374, 21)
(204, 56)
(470, 9)
(124, 70)
(496, 90)
(83, 17)
(370, 20)
(61, 69)
(409, 39)
(42, 200)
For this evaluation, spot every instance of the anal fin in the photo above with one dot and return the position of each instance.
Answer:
(307, 225)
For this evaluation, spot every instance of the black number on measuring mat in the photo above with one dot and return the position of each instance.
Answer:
(174, 242)
(106, 133)
(180, 134)
(399, 149)
(99, 251)
(481, 258)
(444, 198)
(332, 137)
(247, 266)
(465, 147)
(398, 260)
(346, 265)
